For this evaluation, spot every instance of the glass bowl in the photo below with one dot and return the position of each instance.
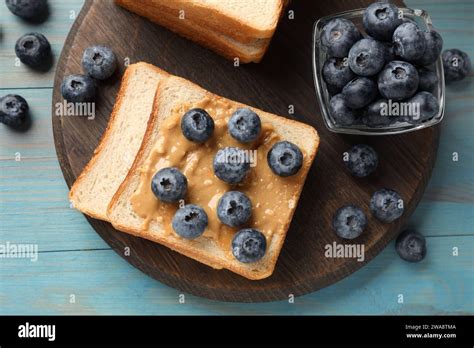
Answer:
(319, 57)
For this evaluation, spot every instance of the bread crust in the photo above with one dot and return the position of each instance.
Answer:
(183, 246)
(104, 138)
(207, 38)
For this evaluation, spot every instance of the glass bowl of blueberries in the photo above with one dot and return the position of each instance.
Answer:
(378, 70)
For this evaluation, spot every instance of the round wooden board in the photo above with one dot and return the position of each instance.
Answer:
(283, 78)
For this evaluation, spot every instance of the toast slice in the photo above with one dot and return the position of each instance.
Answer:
(95, 186)
(222, 44)
(251, 18)
(175, 96)
(206, 17)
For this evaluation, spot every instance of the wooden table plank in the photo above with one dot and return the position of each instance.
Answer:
(103, 283)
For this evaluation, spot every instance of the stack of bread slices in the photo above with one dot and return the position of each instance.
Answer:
(236, 29)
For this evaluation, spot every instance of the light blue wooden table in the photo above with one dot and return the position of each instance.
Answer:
(77, 273)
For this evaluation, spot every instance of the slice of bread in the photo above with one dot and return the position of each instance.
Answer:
(185, 10)
(175, 93)
(220, 43)
(113, 157)
(251, 18)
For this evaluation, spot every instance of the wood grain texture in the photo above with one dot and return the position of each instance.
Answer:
(108, 285)
(406, 160)
(102, 283)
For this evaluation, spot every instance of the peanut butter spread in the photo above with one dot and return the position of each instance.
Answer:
(273, 197)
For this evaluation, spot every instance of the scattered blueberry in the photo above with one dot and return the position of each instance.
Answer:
(367, 57)
(249, 245)
(456, 64)
(337, 73)
(169, 184)
(231, 165)
(411, 246)
(33, 49)
(386, 205)
(434, 45)
(99, 62)
(359, 92)
(27, 9)
(285, 158)
(381, 19)
(78, 88)
(341, 113)
(409, 42)
(338, 36)
(190, 221)
(197, 125)
(244, 125)
(349, 221)
(427, 105)
(375, 115)
(362, 160)
(398, 80)
(234, 208)
(428, 80)
(13, 110)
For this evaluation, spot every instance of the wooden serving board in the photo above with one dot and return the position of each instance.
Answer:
(283, 78)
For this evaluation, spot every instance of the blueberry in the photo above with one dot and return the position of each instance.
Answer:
(456, 64)
(234, 209)
(33, 49)
(428, 107)
(367, 57)
(197, 125)
(231, 165)
(99, 62)
(349, 221)
(285, 158)
(408, 41)
(169, 184)
(249, 245)
(13, 110)
(341, 113)
(398, 80)
(190, 221)
(376, 114)
(362, 160)
(337, 74)
(338, 36)
(411, 246)
(27, 9)
(244, 125)
(386, 205)
(380, 20)
(434, 45)
(78, 88)
(359, 92)
(428, 80)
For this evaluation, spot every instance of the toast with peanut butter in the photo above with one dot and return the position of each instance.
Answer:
(249, 248)
(93, 189)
